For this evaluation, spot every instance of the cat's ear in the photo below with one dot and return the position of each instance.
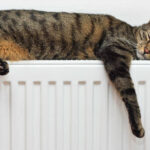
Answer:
(146, 26)
(148, 23)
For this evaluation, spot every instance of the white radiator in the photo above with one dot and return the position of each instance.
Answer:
(69, 105)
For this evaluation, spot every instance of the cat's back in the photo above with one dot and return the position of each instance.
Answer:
(55, 20)
(53, 32)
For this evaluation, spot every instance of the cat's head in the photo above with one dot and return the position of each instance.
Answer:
(143, 41)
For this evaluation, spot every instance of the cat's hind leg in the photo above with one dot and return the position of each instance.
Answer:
(116, 62)
(9, 50)
(4, 69)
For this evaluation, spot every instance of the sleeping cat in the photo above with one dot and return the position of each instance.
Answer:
(38, 35)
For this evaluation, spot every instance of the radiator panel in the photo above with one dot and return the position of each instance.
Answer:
(70, 106)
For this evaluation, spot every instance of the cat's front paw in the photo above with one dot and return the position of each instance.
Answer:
(4, 69)
(139, 133)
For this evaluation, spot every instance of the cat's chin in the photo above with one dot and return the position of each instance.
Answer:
(147, 56)
(140, 56)
(143, 56)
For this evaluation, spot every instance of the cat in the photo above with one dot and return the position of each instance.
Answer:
(39, 35)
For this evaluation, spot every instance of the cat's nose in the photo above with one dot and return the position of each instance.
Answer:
(146, 51)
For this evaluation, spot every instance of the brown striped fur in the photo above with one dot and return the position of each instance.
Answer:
(39, 35)
(9, 50)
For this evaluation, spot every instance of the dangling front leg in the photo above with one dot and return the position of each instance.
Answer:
(116, 62)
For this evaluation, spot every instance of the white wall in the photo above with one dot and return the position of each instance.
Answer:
(133, 11)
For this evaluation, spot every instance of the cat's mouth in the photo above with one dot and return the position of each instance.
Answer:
(143, 54)
(146, 54)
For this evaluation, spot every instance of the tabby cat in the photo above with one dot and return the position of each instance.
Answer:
(39, 35)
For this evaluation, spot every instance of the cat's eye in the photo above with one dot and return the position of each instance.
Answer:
(144, 35)
(141, 35)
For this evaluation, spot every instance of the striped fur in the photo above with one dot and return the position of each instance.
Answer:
(39, 35)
